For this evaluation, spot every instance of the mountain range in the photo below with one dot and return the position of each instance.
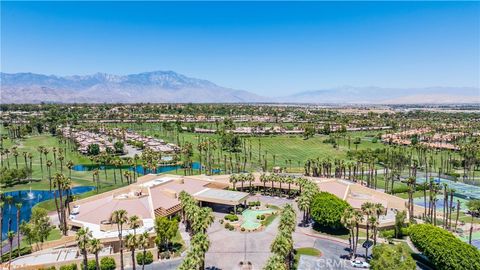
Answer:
(171, 87)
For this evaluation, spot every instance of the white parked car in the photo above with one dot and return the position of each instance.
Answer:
(359, 264)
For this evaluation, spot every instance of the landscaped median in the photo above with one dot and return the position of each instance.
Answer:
(443, 249)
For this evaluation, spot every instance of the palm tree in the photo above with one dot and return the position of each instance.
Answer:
(40, 151)
(282, 245)
(233, 179)
(200, 244)
(1, 226)
(368, 209)
(83, 237)
(96, 178)
(275, 262)
(10, 235)
(49, 165)
(347, 220)
(357, 218)
(264, 179)
(119, 217)
(62, 184)
(203, 220)
(473, 208)
(94, 247)
(134, 223)
(374, 224)
(15, 155)
(131, 243)
(70, 166)
(143, 242)
(18, 206)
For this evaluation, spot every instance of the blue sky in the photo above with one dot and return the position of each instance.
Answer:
(271, 48)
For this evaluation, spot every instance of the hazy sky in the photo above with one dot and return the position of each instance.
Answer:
(271, 48)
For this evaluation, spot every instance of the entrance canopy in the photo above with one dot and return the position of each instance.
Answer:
(221, 196)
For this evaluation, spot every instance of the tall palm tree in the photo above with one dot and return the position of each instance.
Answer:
(357, 219)
(70, 167)
(203, 220)
(96, 178)
(233, 179)
(18, 206)
(368, 209)
(275, 262)
(143, 243)
(474, 208)
(10, 236)
(40, 151)
(264, 179)
(120, 217)
(347, 220)
(15, 155)
(200, 244)
(282, 245)
(83, 237)
(1, 226)
(94, 247)
(131, 243)
(49, 165)
(374, 224)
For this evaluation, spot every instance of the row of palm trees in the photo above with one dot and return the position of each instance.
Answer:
(369, 214)
(308, 190)
(197, 220)
(282, 245)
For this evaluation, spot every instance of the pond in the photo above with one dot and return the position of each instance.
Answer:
(250, 221)
(28, 200)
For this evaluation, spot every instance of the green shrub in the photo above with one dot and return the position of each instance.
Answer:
(444, 249)
(231, 217)
(48, 268)
(255, 203)
(260, 217)
(72, 266)
(327, 209)
(148, 259)
(91, 265)
(229, 226)
(392, 257)
(107, 263)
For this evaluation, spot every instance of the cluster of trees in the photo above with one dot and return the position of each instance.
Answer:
(34, 232)
(242, 178)
(12, 177)
(369, 214)
(280, 179)
(282, 246)
(165, 230)
(444, 249)
(308, 191)
(197, 220)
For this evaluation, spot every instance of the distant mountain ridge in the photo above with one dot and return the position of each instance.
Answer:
(172, 87)
(154, 87)
(379, 95)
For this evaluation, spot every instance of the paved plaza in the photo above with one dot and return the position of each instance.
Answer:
(229, 248)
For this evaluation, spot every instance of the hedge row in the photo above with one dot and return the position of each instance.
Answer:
(444, 249)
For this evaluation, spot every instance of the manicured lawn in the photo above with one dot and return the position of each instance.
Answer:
(310, 251)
